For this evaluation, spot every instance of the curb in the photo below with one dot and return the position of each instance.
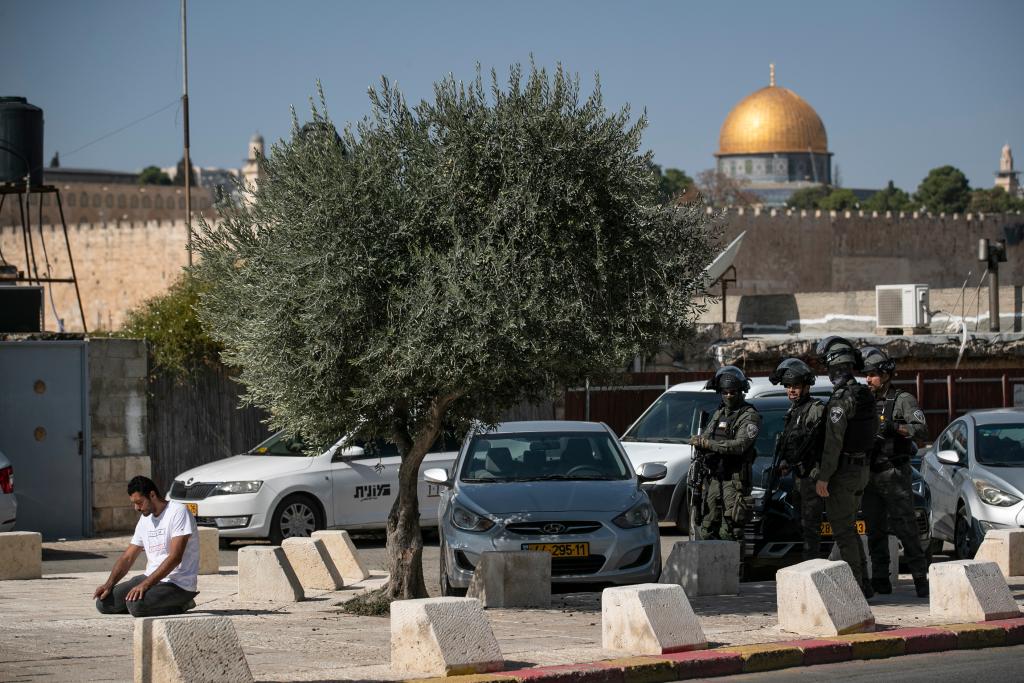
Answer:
(736, 659)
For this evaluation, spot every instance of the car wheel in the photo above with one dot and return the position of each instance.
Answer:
(448, 590)
(963, 535)
(296, 516)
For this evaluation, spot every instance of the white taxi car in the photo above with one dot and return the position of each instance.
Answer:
(277, 490)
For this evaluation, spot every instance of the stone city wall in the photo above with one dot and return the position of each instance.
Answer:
(120, 265)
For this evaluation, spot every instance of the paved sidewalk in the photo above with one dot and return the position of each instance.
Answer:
(49, 629)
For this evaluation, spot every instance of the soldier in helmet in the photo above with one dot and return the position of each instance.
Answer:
(888, 503)
(850, 428)
(799, 447)
(727, 444)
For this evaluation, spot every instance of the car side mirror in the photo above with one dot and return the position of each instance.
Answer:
(651, 471)
(948, 457)
(348, 452)
(437, 475)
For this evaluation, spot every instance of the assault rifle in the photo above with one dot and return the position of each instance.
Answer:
(698, 473)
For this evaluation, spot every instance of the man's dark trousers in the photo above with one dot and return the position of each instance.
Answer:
(161, 600)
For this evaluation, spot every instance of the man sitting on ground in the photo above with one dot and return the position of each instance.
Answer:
(167, 532)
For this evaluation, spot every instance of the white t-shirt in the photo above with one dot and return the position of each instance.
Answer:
(154, 534)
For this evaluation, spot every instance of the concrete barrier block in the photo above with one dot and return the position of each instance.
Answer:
(209, 550)
(311, 563)
(1005, 547)
(188, 649)
(442, 637)
(894, 557)
(515, 578)
(343, 553)
(821, 598)
(969, 590)
(264, 573)
(649, 619)
(704, 567)
(21, 555)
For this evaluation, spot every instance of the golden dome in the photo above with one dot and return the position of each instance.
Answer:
(773, 119)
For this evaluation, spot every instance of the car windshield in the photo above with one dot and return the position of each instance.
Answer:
(1000, 445)
(674, 417)
(280, 444)
(538, 456)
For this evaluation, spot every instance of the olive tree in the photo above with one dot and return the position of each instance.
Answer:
(434, 264)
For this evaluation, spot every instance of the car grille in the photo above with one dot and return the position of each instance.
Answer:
(563, 566)
(194, 492)
(537, 528)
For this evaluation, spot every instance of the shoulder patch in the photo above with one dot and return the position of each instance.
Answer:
(919, 415)
(752, 431)
(835, 414)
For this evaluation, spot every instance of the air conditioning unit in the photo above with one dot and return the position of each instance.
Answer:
(901, 305)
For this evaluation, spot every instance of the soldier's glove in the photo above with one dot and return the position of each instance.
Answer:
(699, 441)
(887, 429)
(783, 468)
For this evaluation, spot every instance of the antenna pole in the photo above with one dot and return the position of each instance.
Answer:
(184, 107)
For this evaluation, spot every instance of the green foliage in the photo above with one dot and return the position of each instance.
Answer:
(673, 184)
(944, 189)
(839, 199)
(152, 175)
(808, 197)
(452, 258)
(891, 198)
(994, 200)
(717, 189)
(177, 341)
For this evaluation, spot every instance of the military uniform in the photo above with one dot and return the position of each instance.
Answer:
(888, 503)
(800, 445)
(850, 427)
(731, 434)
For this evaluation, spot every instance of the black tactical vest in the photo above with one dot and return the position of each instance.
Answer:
(725, 428)
(802, 441)
(895, 447)
(862, 426)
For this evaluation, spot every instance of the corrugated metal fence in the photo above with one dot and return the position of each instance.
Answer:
(943, 395)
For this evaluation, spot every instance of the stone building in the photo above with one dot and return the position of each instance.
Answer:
(1006, 177)
(774, 143)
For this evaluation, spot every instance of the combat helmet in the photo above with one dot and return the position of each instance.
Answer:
(877, 360)
(729, 377)
(832, 351)
(792, 371)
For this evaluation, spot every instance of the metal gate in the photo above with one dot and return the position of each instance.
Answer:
(44, 430)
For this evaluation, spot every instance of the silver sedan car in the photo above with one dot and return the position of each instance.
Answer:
(566, 488)
(975, 471)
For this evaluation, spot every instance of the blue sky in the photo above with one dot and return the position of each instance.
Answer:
(902, 87)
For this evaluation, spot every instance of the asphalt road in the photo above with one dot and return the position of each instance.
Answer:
(993, 665)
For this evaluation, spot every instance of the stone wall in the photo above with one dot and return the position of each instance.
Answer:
(117, 409)
(120, 265)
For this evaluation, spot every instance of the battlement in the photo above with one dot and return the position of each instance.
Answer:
(105, 225)
(834, 215)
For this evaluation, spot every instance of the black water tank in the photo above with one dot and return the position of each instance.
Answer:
(21, 141)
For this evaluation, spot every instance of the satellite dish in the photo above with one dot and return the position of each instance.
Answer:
(716, 269)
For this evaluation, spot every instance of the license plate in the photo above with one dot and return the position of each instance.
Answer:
(193, 508)
(561, 549)
(826, 528)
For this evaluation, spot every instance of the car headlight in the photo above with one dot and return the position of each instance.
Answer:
(227, 487)
(637, 516)
(993, 495)
(469, 521)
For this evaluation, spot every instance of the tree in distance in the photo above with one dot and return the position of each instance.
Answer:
(891, 198)
(808, 197)
(438, 263)
(994, 200)
(719, 190)
(152, 175)
(944, 190)
(674, 185)
(839, 199)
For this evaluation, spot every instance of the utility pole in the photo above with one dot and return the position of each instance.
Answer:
(992, 253)
(184, 107)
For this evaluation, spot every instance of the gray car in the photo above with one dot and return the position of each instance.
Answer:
(8, 504)
(975, 471)
(562, 487)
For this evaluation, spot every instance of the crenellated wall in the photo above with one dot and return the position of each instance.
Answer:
(120, 265)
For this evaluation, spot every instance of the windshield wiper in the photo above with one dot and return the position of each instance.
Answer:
(657, 439)
(1001, 463)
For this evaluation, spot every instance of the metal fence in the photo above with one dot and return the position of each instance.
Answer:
(943, 395)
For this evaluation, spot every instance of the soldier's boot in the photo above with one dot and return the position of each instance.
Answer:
(921, 586)
(881, 585)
